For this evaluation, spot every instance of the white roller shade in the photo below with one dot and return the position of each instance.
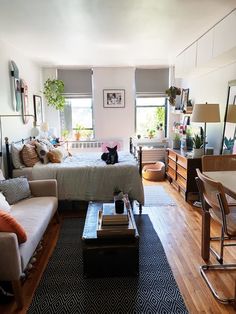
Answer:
(76, 81)
(152, 80)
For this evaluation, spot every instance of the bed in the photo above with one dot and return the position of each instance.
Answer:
(86, 177)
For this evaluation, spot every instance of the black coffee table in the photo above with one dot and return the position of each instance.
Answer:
(108, 256)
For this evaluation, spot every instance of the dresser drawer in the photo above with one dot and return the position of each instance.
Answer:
(182, 171)
(171, 172)
(171, 163)
(181, 181)
(182, 161)
(172, 155)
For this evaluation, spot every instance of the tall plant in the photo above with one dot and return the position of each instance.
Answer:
(53, 90)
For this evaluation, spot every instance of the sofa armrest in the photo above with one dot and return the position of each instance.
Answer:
(43, 187)
(10, 261)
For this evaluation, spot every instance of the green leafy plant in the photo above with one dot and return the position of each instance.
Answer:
(79, 127)
(229, 143)
(65, 134)
(52, 91)
(176, 137)
(151, 133)
(197, 141)
(172, 92)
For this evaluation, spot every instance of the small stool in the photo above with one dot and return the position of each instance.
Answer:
(154, 172)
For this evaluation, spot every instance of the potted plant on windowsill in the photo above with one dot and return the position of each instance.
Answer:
(78, 129)
(52, 91)
(198, 149)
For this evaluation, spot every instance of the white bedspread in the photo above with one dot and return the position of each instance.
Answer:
(86, 177)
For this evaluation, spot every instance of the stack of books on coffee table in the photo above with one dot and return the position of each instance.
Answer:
(112, 224)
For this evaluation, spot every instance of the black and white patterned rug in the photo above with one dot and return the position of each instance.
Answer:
(63, 289)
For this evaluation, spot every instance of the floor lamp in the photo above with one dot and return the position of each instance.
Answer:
(205, 113)
(14, 116)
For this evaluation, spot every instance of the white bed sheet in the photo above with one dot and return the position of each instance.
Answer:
(86, 177)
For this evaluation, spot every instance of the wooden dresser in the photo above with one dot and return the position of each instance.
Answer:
(181, 172)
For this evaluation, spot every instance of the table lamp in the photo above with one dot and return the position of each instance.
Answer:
(231, 114)
(205, 113)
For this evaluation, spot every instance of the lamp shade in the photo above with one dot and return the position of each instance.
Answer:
(231, 114)
(34, 131)
(44, 127)
(206, 113)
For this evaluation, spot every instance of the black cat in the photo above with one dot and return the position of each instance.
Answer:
(111, 157)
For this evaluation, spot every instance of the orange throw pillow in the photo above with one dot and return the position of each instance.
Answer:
(9, 224)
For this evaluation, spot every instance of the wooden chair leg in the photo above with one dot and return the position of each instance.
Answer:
(205, 247)
(16, 285)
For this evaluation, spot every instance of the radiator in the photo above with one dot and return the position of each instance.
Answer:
(153, 155)
(93, 146)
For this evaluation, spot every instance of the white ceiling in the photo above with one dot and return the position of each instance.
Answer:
(107, 32)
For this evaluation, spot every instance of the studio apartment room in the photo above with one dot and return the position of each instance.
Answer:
(117, 156)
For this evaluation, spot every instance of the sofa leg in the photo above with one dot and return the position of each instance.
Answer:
(16, 285)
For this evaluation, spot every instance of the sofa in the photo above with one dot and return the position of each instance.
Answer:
(34, 215)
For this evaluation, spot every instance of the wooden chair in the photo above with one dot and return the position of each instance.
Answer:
(215, 206)
(218, 163)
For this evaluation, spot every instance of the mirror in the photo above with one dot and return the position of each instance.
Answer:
(229, 136)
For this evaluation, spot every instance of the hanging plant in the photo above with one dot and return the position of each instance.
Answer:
(52, 91)
(172, 92)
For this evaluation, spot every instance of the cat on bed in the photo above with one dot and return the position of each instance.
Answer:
(111, 157)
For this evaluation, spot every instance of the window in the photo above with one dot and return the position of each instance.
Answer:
(150, 112)
(78, 114)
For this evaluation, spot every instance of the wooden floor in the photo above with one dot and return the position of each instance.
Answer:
(179, 229)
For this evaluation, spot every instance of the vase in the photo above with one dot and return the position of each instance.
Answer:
(198, 152)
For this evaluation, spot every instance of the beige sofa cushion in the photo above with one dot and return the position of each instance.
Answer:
(40, 211)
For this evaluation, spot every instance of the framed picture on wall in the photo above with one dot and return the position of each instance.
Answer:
(184, 97)
(113, 98)
(38, 109)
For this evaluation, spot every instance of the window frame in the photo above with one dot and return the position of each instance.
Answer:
(152, 95)
(80, 96)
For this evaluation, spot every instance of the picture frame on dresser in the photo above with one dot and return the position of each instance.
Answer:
(38, 109)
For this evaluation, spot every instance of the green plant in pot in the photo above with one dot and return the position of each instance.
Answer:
(172, 92)
(176, 142)
(78, 128)
(198, 149)
(228, 146)
(53, 90)
(189, 139)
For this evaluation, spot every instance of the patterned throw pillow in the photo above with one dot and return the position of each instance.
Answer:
(47, 143)
(15, 189)
(4, 204)
(55, 156)
(29, 155)
(42, 151)
(9, 224)
(15, 155)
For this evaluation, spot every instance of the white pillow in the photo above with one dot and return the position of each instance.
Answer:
(4, 205)
(15, 155)
(42, 151)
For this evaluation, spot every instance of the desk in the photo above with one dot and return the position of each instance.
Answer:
(228, 180)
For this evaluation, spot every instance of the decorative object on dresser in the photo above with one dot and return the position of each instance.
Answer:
(205, 113)
(198, 149)
(181, 172)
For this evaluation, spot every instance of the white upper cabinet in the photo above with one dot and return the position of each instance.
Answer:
(204, 49)
(225, 35)
(214, 49)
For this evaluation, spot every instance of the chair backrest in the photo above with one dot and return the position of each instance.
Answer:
(218, 162)
(211, 190)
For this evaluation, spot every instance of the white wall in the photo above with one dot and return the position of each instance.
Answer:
(52, 116)
(212, 88)
(13, 127)
(114, 122)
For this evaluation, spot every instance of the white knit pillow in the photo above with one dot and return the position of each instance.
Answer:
(15, 155)
(4, 205)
